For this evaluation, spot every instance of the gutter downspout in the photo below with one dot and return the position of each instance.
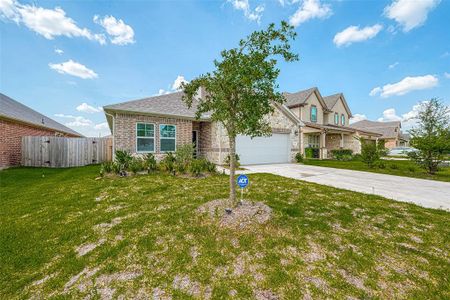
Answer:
(113, 135)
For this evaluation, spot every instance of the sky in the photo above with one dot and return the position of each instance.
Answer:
(67, 59)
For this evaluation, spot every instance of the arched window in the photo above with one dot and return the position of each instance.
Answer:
(342, 119)
(336, 118)
(313, 113)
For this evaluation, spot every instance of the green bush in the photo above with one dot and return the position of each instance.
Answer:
(357, 157)
(299, 157)
(412, 169)
(381, 165)
(369, 153)
(116, 168)
(183, 157)
(123, 159)
(341, 154)
(196, 167)
(227, 160)
(168, 163)
(150, 163)
(107, 167)
(136, 165)
(209, 167)
(309, 152)
(393, 166)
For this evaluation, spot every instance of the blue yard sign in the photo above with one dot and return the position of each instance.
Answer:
(242, 181)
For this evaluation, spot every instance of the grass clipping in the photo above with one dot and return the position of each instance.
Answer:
(245, 214)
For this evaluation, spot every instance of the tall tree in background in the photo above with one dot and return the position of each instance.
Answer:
(239, 92)
(431, 137)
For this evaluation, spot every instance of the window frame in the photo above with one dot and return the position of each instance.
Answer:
(336, 118)
(167, 138)
(145, 137)
(311, 114)
(342, 119)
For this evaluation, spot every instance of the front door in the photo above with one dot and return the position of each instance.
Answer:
(195, 142)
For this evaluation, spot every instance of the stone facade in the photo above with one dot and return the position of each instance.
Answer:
(11, 134)
(125, 131)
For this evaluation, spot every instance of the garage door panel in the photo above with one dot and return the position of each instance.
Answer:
(263, 150)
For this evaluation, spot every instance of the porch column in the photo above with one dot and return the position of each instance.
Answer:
(341, 145)
(322, 145)
(301, 145)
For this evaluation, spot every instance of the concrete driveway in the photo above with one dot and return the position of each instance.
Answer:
(427, 193)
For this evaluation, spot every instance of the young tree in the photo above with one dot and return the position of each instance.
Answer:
(239, 92)
(431, 137)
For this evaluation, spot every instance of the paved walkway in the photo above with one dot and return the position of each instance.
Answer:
(427, 193)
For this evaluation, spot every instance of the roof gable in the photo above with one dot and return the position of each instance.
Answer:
(14, 110)
(301, 98)
(386, 129)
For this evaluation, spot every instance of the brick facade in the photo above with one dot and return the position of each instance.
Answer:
(125, 131)
(11, 134)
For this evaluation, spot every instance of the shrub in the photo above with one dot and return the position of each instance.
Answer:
(136, 165)
(346, 157)
(299, 157)
(183, 157)
(196, 167)
(369, 153)
(116, 168)
(227, 160)
(412, 169)
(168, 163)
(107, 167)
(340, 154)
(393, 166)
(357, 157)
(150, 163)
(309, 152)
(123, 159)
(210, 167)
(381, 165)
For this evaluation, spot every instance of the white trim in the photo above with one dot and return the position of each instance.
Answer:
(145, 137)
(168, 138)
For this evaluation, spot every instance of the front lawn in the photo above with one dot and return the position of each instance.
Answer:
(391, 167)
(64, 234)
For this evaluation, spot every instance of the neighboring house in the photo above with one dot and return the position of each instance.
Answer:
(17, 120)
(391, 132)
(160, 124)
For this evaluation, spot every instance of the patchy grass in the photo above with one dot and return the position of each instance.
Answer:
(64, 234)
(392, 167)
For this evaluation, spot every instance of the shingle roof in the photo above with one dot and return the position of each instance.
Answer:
(167, 105)
(387, 129)
(11, 109)
(298, 98)
(331, 100)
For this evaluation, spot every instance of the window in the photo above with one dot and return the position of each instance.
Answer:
(342, 119)
(313, 113)
(336, 118)
(167, 137)
(313, 141)
(145, 137)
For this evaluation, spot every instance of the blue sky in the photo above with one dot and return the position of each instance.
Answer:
(68, 58)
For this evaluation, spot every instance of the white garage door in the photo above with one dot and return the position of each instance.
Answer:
(263, 150)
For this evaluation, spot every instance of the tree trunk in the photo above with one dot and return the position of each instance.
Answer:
(232, 141)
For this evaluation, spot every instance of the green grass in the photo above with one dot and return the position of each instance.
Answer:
(392, 167)
(321, 241)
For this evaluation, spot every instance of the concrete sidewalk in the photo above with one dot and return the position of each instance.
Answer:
(427, 193)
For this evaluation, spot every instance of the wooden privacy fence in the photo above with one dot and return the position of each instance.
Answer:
(61, 152)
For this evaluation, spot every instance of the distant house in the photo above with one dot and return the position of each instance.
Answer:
(390, 132)
(17, 120)
(306, 123)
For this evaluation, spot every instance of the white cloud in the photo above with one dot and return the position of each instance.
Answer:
(410, 14)
(357, 118)
(447, 75)
(354, 34)
(177, 83)
(391, 66)
(310, 9)
(244, 5)
(49, 23)
(59, 51)
(86, 108)
(85, 126)
(74, 68)
(408, 119)
(405, 86)
(119, 32)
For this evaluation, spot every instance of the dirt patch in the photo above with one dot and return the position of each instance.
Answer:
(104, 227)
(86, 248)
(245, 214)
(319, 283)
(316, 253)
(192, 288)
(354, 280)
(159, 294)
(265, 295)
(85, 274)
